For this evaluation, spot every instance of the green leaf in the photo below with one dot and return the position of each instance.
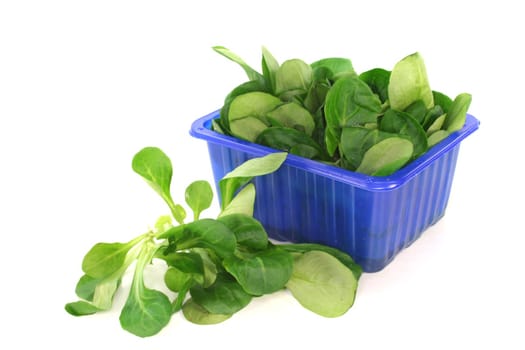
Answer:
(336, 65)
(377, 79)
(344, 258)
(431, 116)
(176, 280)
(270, 66)
(104, 259)
(292, 115)
(263, 272)
(322, 284)
(409, 83)
(81, 308)
(225, 296)
(418, 111)
(248, 231)
(155, 167)
(247, 114)
(437, 137)
(442, 100)
(242, 203)
(292, 78)
(284, 139)
(437, 124)
(195, 313)
(457, 113)
(241, 175)
(207, 233)
(145, 312)
(249, 86)
(104, 293)
(199, 196)
(386, 157)
(404, 124)
(250, 72)
(350, 102)
(163, 224)
(86, 286)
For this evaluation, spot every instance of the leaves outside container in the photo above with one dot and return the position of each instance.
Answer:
(371, 218)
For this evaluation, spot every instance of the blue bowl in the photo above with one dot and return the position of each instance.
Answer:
(371, 218)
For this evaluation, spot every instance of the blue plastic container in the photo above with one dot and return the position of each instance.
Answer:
(371, 218)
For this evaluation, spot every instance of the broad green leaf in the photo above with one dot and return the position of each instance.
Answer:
(293, 76)
(249, 86)
(210, 269)
(355, 141)
(386, 157)
(248, 128)
(457, 113)
(437, 137)
(322, 284)
(336, 65)
(403, 124)
(270, 66)
(437, 124)
(409, 83)
(225, 296)
(195, 313)
(85, 288)
(377, 79)
(199, 196)
(350, 102)
(104, 259)
(241, 175)
(292, 115)
(431, 116)
(145, 312)
(207, 233)
(247, 113)
(248, 231)
(263, 272)
(344, 258)
(250, 72)
(188, 263)
(284, 139)
(242, 203)
(81, 308)
(305, 151)
(176, 280)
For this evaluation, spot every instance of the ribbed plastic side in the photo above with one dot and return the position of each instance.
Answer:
(372, 226)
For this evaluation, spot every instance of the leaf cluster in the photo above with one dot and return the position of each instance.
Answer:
(214, 267)
(373, 123)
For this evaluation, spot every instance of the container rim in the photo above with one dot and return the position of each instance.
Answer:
(201, 129)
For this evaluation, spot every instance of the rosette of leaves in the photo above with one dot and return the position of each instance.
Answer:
(373, 123)
(213, 267)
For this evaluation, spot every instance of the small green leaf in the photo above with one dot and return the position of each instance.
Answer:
(242, 203)
(336, 65)
(195, 313)
(241, 175)
(176, 280)
(293, 77)
(442, 100)
(285, 139)
(225, 296)
(86, 286)
(199, 196)
(104, 259)
(292, 115)
(207, 233)
(437, 124)
(81, 308)
(250, 72)
(322, 284)
(387, 156)
(270, 66)
(377, 79)
(457, 113)
(409, 83)
(436, 137)
(263, 272)
(248, 231)
(403, 124)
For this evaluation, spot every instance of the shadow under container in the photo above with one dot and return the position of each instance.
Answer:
(371, 218)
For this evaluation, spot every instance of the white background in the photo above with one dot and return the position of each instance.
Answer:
(86, 84)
